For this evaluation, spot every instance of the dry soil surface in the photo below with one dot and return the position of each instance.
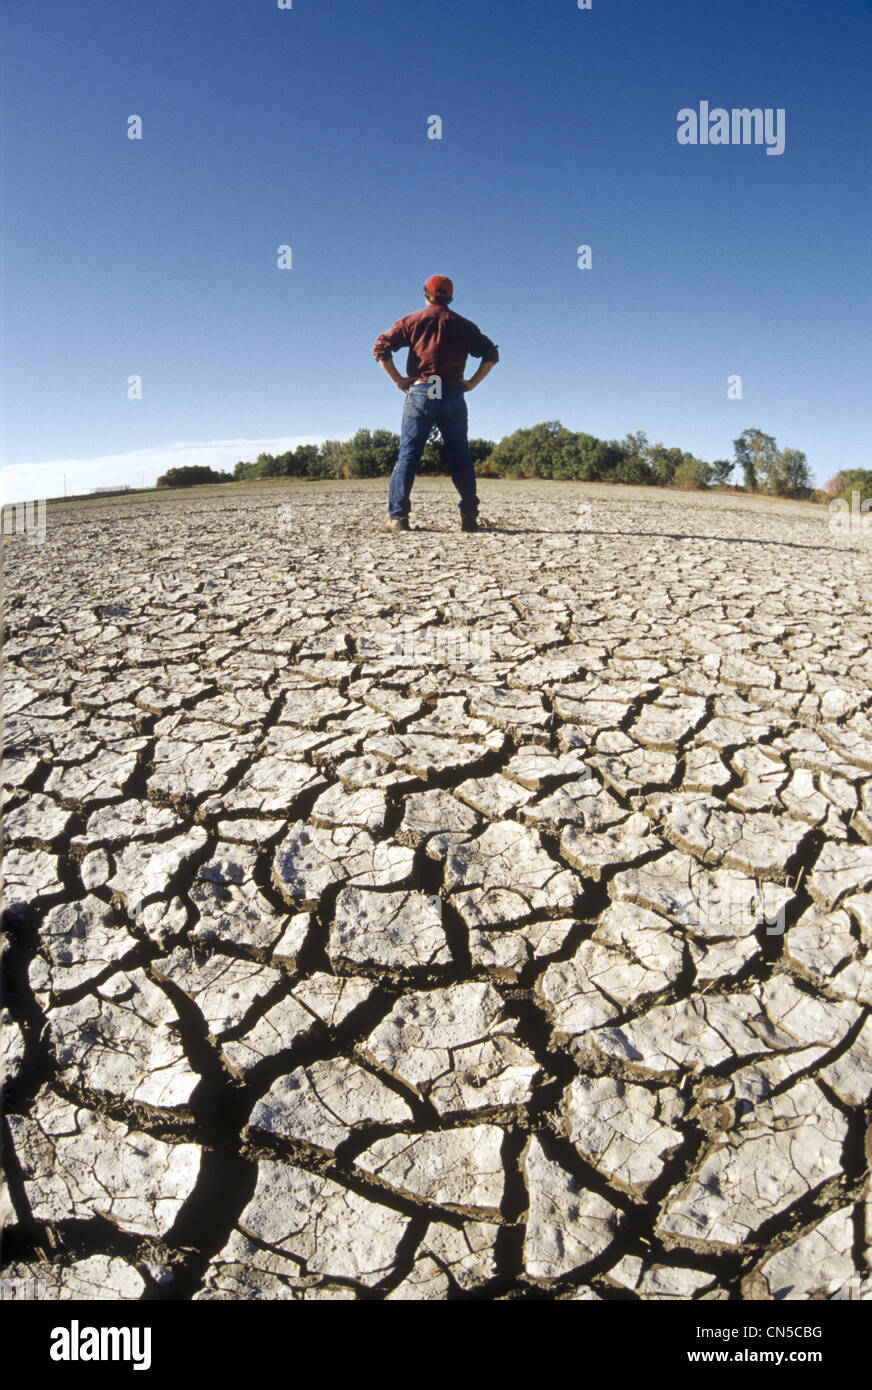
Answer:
(438, 916)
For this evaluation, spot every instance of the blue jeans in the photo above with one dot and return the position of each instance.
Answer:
(419, 414)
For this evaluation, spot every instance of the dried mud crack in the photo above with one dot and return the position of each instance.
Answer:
(437, 916)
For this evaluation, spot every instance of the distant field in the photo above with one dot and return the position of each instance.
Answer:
(379, 484)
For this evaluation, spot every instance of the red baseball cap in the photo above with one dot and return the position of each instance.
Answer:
(440, 287)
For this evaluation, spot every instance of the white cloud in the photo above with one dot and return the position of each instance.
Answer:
(21, 482)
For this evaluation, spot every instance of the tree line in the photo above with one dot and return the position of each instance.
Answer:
(549, 450)
(368, 454)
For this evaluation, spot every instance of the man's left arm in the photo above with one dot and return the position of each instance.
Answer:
(404, 382)
(386, 344)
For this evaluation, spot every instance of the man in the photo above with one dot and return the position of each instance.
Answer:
(439, 342)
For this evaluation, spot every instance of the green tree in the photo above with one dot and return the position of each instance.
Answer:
(600, 460)
(267, 466)
(632, 464)
(851, 480)
(756, 454)
(534, 452)
(541, 447)
(662, 463)
(858, 480)
(480, 449)
(722, 471)
(191, 475)
(434, 459)
(305, 455)
(327, 460)
(790, 476)
(631, 469)
(370, 454)
(692, 472)
(635, 446)
(506, 455)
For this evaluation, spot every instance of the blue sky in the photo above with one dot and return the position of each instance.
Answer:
(308, 127)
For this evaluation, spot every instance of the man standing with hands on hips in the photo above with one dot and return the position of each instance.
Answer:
(439, 342)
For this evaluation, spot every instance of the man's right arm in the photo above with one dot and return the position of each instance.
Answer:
(479, 375)
(482, 347)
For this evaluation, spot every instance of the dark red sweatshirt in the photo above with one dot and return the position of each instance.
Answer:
(439, 342)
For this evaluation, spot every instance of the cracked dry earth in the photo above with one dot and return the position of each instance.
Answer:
(345, 963)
